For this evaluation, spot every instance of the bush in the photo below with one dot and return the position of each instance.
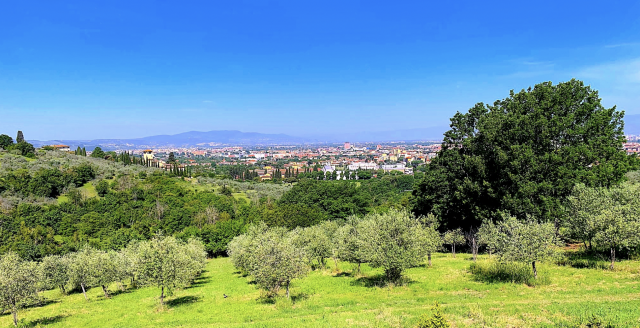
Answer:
(102, 188)
(497, 272)
(435, 320)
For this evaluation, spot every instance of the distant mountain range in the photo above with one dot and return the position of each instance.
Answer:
(227, 137)
(220, 138)
(186, 139)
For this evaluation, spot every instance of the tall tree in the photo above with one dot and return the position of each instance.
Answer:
(172, 158)
(20, 137)
(523, 155)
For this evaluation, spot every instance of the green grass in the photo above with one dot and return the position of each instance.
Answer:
(88, 190)
(331, 299)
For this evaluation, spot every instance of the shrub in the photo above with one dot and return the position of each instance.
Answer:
(514, 272)
(435, 320)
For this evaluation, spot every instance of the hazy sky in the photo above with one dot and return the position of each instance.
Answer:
(120, 69)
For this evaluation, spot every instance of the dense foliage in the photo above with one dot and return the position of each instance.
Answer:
(523, 154)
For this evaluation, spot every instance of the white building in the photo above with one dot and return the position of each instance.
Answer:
(362, 166)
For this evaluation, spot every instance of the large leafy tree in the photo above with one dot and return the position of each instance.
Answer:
(523, 154)
(5, 141)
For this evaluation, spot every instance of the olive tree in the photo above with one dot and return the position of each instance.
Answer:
(316, 243)
(526, 241)
(18, 283)
(617, 228)
(54, 272)
(276, 261)
(240, 249)
(608, 218)
(432, 238)
(128, 263)
(453, 238)
(349, 243)
(395, 241)
(83, 269)
(585, 204)
(106, 270)
(165, 263)
(487, 235)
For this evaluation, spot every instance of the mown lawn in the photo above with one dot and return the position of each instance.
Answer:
(336, 299)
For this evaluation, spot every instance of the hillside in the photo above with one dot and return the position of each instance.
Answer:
(336, 299)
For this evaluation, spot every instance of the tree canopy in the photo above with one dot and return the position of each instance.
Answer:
(523, 155)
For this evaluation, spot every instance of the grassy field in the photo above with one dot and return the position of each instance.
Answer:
(88, 190)
(331, 298)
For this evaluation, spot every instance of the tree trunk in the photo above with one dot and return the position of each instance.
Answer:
(288, 290)
(359, 267)
(535, 271)
(84, 291)
(14, 311)
(429, 257)
(62, 289)
(475, 249)
(104, 289)
(335, 260)
(453, 250)
(613, 257)
(162, 296)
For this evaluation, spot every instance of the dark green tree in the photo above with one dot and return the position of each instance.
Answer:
(5, 141)
(25, 148)
(98, 153)
(20, 137)
(523, 154)
(172, 158)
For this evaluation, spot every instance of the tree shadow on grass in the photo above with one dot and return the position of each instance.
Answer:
(380, 280)
(299, 297)
(41, 303)
(41, 322)
(199, 282)
(120, 291)
(343, 274)
(241, 274)
(182, 301)
(266, 299)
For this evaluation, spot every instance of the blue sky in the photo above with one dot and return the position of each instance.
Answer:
(122, 69)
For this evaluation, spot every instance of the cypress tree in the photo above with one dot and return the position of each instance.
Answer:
(20, 137)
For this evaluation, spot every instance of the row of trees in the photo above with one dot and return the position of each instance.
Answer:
(163, 262)
(605, 218)
(394, 241)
